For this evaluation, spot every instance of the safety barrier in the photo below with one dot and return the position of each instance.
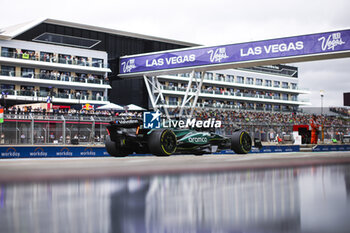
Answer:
(269, 149)
(319, 148)
(7, 152)
(13, 152)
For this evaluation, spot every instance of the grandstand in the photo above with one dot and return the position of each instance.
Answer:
(272, 88)
(88, 127)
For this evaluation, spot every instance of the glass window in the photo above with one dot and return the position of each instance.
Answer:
(276, 83)
(173, 99)
(65, 59)
(219, 77)
(268, 83)
(7, 87)
(186, 75)
(27, 91)
(8, 70)
(27, 72)
(81, 61)
(277, 107)
(8, 52)
(63, 93)
(294, 86)
(50, 74)
(44, 92)
(97, 62)
(230, 78)
(250, 81)
(48, 57)
(81, 77)
(258, 81)
(284, 85)
(240, 79)
(29, 88)
(97, 95)
(64, 76)
(66, 40)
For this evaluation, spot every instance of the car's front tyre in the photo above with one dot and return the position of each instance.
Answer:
(241, 142)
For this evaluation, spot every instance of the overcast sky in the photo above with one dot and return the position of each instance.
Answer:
(211, 23)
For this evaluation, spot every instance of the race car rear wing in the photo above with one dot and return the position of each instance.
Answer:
(126, 123)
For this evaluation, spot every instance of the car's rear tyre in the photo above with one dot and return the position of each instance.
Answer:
(115, 149)
(241, 142)
(162, 142)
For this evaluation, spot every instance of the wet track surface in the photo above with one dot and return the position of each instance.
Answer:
(277, 193)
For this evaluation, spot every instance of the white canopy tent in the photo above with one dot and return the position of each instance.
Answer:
(110, 106)
(133, 107)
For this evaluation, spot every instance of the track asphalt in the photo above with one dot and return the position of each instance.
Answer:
(23, 170)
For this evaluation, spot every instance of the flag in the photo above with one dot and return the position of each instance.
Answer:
(1, 115)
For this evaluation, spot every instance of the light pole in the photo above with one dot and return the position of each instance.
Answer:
(322, 95)
(322, 120)
(78, 95)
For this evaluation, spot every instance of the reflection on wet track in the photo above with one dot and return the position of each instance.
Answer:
(312, 199)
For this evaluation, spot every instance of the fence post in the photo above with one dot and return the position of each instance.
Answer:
(92, 140)
(32, 128)
(64, 130)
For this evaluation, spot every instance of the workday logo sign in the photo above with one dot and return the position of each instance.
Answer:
(151, 120)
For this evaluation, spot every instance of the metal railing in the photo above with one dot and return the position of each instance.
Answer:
(30, 129)
(233, 80)
(42, 95)
(216, 106)
(38, 128)
(56, 58)
(234, 94)
(56, 77)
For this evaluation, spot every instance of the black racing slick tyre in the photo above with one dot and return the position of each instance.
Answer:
(241, 142)
(162, 142)
(114, 149)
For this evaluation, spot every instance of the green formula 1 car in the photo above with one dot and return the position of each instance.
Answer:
(128, 136)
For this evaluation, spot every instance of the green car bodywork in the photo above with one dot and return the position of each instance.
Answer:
(124, 139)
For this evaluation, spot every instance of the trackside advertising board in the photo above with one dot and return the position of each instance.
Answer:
(17, 152)
(306, 47)
(50, 151)
(319, 148)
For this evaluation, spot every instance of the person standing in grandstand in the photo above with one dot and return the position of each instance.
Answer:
(313, 126)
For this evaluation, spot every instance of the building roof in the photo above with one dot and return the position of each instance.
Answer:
(9, 33)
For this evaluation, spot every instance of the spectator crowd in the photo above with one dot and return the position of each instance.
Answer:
(227, 117)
